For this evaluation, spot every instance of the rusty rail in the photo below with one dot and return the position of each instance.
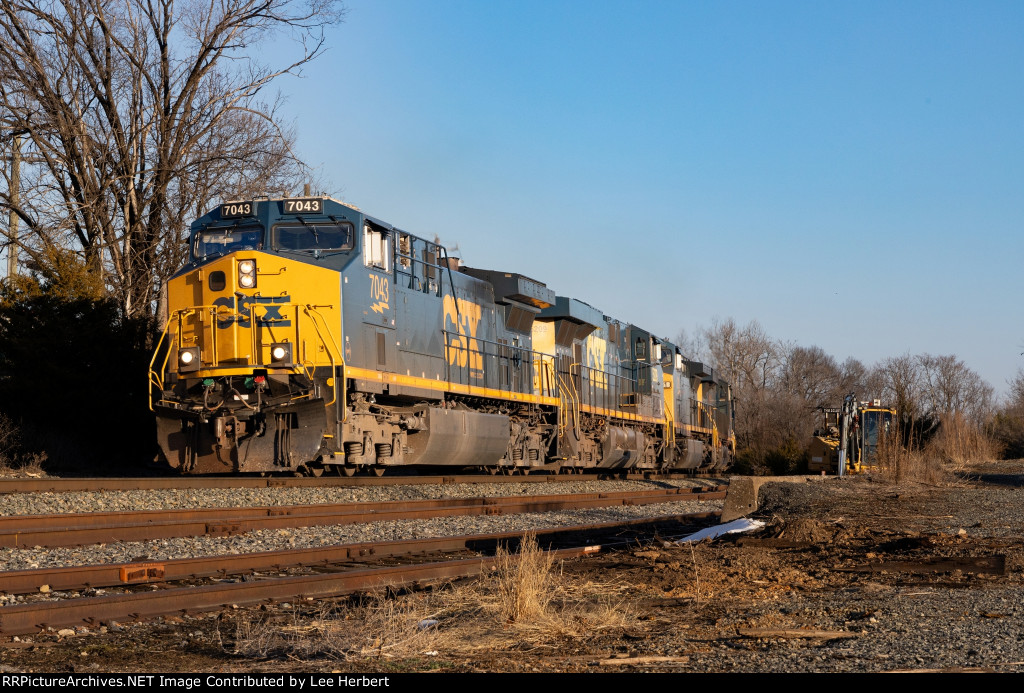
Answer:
(76, 529)
(92, 611)
(60, 485)
(142, 572)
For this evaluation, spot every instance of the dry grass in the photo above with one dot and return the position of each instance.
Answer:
(10, 441)
(13, 458)
(381, 627)
(901, 462)
(959, 443)
(523, 580)
(956, 445)
(525, 599)
(535, 602)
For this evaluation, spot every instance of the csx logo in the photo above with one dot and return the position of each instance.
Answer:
(597, 350)
(269, 312)
(461, 321)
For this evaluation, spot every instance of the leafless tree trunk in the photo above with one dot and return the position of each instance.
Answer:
(745, 356)
(813, 376)
(138, 114)
(902, 385)
(951, 387)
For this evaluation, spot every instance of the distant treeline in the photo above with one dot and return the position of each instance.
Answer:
(780, 385)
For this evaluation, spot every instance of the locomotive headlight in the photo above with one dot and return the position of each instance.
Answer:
(188, 359)
(247, 274)
(280, 354)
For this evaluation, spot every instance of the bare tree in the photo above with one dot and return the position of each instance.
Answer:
(766, 417)
(1008, 423)
(902, 385)
(812, 375)
(951, 387)
(745, 356)
(138, 113)
(855, 377)
(778, 386)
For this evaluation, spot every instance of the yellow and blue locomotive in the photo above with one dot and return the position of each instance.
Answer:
(304, 335)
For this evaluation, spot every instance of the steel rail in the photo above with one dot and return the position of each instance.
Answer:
(92, 611)
(142, 572)
(63, 485)
(75, 529)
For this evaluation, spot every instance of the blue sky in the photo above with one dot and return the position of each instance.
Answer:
(851, 175)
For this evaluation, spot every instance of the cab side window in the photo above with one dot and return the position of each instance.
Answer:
(376, 248)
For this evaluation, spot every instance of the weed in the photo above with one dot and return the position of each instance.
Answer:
(956, 444)
(523, 580)
(900, 459)
(526, 598)
(959, 443)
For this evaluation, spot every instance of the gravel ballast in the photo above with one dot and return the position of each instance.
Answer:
(173, 499)
(309, 537)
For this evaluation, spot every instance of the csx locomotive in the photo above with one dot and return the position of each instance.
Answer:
(304, 335)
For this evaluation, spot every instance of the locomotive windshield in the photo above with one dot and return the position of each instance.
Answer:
(214, 242)
(312, 236)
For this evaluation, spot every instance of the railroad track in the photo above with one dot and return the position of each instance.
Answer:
(25, 531)
(142, 589)
(331, 571)
(58, 485)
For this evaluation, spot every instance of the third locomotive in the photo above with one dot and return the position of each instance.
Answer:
(305, 335)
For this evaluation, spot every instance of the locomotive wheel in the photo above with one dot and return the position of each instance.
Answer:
(377, 470)
(315, 470)
(347, 470)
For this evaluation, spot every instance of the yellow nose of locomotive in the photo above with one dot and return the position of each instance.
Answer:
(247, 310)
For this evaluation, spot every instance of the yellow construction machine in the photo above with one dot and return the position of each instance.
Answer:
(847, 440)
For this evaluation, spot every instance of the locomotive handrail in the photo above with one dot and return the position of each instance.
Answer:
(546, 371)
(220, 312)
(704, 409)
(311, 310)
(408, 270)
(156, 378)
(526, 359)
(618, 386)
(413, 260)
(573, 401)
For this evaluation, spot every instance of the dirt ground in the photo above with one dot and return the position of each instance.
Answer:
(848, 575)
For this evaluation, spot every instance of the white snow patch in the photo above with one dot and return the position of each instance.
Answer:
(740, 525)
